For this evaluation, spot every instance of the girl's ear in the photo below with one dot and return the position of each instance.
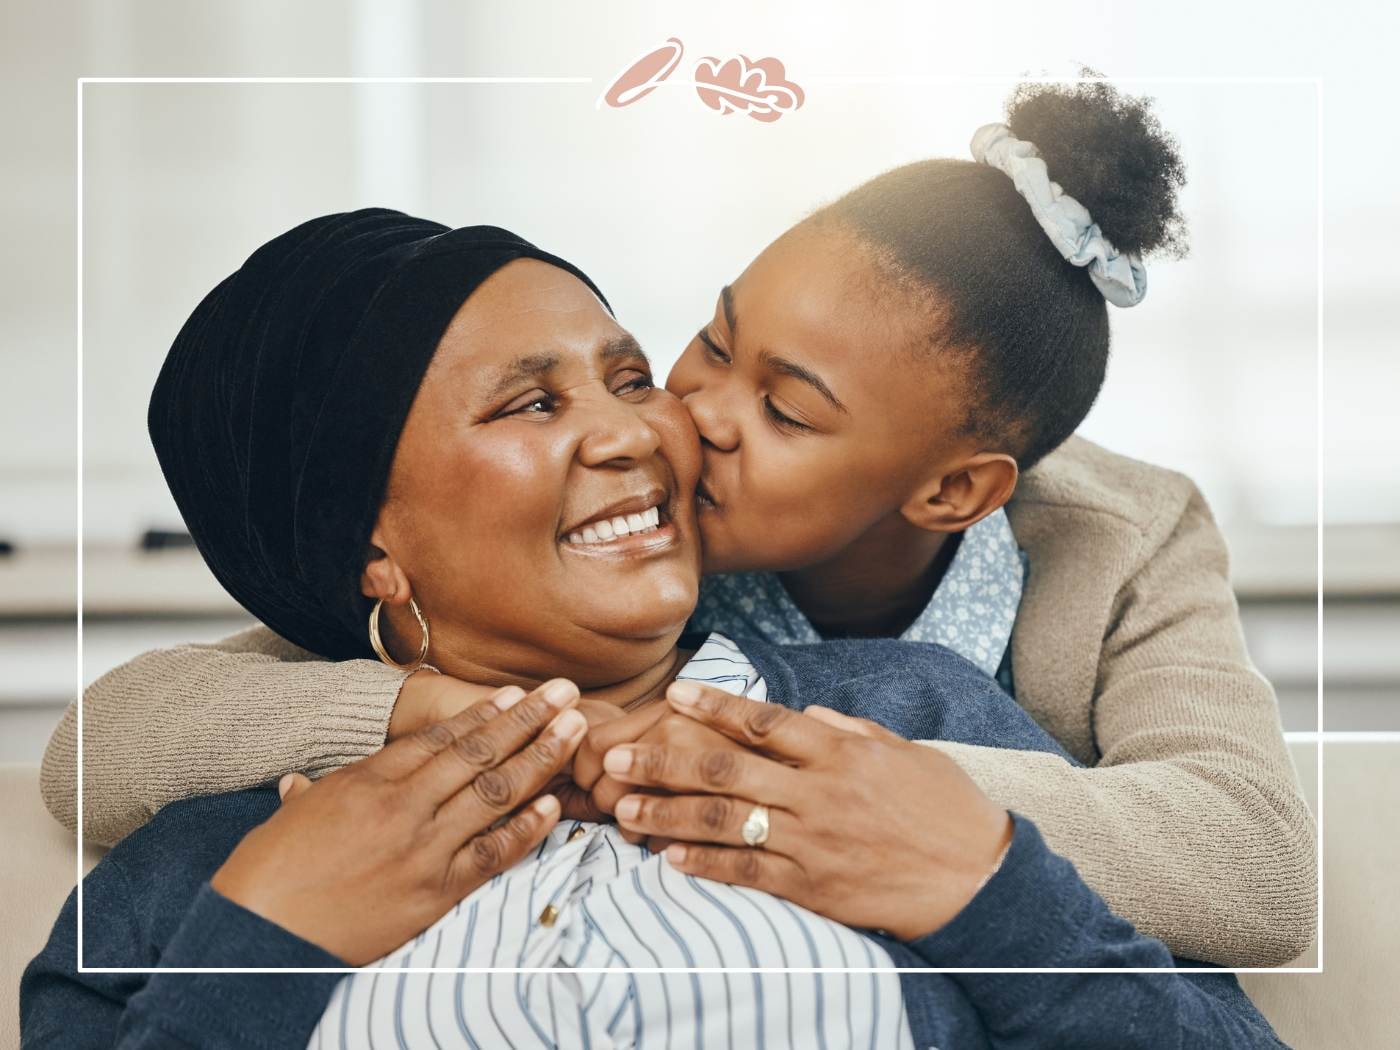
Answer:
(960, 499)
(383, 577)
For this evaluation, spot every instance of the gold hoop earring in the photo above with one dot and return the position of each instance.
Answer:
(378, 643)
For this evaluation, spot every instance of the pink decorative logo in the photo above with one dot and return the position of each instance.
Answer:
(740, 85)
(640, 79)
(735, 85)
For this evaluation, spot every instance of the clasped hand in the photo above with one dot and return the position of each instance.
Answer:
(866, 828)
(371, 855)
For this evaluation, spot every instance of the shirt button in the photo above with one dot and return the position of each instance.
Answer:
(578, 832)
(549, 915)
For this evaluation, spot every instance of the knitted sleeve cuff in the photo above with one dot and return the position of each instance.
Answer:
(353, 722)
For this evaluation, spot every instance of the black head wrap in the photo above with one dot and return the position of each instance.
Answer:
(278, 409)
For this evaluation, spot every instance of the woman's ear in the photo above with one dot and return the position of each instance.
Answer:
(383, 577)
(962, 498)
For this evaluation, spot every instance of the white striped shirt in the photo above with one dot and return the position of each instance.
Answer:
(616, 906)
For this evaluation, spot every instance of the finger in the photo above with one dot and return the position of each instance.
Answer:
(605, 796)
(607, 791)
(411, 752)
(860, 726)
(578, 804)
(501, 789)
(716, 819)
(588, 765)
(769, 727)
(291, 785)
(492, 852)
(758, 868)
(626, 729)
(714, 771)
(466, 756)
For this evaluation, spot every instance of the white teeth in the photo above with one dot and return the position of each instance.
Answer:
(618, 528)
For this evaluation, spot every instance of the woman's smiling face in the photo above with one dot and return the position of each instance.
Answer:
(817, 420)
(535, 438)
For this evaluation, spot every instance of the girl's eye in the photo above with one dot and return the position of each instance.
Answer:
(782, 420)
(712, 350)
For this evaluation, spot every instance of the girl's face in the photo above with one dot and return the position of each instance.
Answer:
(535, 429)
(818, 415)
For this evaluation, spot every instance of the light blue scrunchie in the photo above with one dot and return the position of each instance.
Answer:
(1120, 277)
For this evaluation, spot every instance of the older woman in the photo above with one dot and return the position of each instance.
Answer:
(351, 422)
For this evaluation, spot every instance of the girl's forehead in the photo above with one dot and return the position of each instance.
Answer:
(828, 318)
(828, 279)
(825, 303)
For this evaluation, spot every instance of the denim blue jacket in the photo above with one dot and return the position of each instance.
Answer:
(148, 904)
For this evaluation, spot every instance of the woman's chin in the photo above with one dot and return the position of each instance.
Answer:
(652, 610)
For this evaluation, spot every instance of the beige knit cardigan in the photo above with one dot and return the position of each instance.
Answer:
(1127, 648)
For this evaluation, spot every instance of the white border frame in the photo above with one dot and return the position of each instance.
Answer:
(1319, 736)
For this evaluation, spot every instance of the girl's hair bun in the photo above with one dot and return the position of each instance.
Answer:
(1107, 151)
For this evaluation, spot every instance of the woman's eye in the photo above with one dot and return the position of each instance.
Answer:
(531, 405)
(780, 419)
(638, 382)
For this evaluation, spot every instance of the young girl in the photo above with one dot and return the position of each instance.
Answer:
(872, 391)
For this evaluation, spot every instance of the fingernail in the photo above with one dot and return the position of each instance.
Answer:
(545, 805)
(675, 853)
(618, 760)
(508, 697)
(687, 694)
(283, 785)
(568, 724)
(558, 692)
(628, 808)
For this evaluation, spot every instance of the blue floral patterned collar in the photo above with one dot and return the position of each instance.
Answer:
(972, 611)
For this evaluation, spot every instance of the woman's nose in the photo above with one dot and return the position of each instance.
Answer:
(617, 430)
(715, 424)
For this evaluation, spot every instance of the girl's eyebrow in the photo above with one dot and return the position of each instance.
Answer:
(780, 364)
(726, 298)
(803, 374)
